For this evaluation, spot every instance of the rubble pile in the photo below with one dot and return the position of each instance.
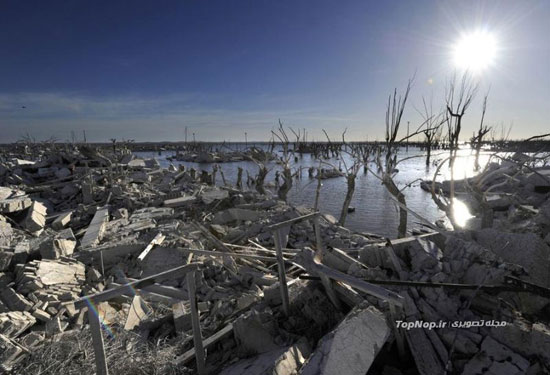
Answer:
(87, 234)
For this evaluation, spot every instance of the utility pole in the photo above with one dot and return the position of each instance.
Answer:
(186, 135)
(245, 140)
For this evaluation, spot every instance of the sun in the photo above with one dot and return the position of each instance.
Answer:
(475, 51)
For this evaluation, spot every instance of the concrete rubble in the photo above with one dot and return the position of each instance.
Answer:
(82, 221)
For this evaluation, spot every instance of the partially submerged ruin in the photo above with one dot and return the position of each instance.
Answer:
(109, 263)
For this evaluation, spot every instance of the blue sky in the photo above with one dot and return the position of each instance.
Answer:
(145, 70)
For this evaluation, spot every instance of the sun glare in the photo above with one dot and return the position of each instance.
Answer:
(461, 213)
(475, 51)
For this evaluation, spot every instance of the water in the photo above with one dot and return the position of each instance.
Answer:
(376, 212)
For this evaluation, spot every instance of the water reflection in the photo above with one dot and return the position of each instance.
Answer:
(461, 213)
(375, 210)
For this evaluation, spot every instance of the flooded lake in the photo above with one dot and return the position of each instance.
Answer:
(375, 210)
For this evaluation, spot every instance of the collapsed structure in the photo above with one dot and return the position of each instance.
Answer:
(115, 264)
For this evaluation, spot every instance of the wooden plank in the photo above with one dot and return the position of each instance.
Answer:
(95, 229)
(231, 254)
(195, 322)
(166, 293)
(147, 281)
(327, 284)
(97, 339)
(282, 274)
(221, 334)
(276, 226)
(315, 268)
(159, 238)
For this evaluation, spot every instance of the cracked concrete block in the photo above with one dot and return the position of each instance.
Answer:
(62, 220)
(36, 217)
(350, 349)
(14, 204)
(139, 311)
(14, 300)
(57, 248)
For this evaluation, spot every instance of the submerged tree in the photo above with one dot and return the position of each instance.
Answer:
(350, 173)
(432, 132)
(477, 139)
(458, 99)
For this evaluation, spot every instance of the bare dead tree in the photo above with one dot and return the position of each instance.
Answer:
(477, 139)
(284, 161)
(350, 173)
(458, 99)
(433, 122)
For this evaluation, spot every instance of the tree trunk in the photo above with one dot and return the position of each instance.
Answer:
(394, 190)
(428, 154)
(287, 184)
(347, 200)
(240, 178)
(260, 180)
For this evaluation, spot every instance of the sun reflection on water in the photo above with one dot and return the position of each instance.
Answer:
(461, 213)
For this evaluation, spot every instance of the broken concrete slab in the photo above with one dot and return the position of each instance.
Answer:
(36, 217)
(210, 196)
(180, 202)
(6, 233)
(139, 311)
(62, 220)
(15, 301)
(95, 229)
(283, 361)
(15, 204)
(351, 348)
(57, 248)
